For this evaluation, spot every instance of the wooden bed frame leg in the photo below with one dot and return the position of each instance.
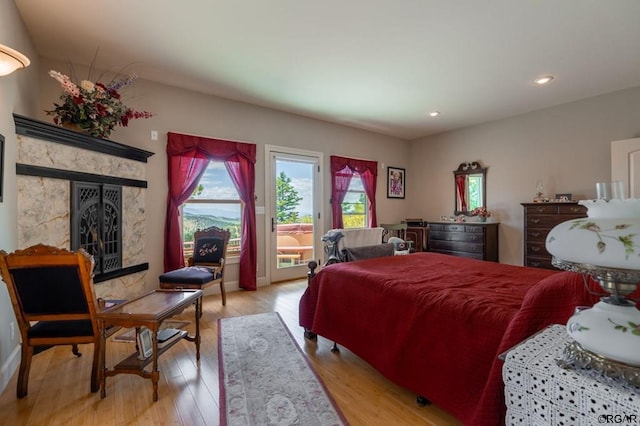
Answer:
(422, 401)
(310, 334)
(335, 348)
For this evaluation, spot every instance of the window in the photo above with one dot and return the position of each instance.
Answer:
(354, 206)
(215, 202)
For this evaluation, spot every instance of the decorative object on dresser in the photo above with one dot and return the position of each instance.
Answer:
(605, 247)
(477, 240)
(539, 218)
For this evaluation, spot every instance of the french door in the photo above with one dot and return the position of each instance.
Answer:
(294, 190)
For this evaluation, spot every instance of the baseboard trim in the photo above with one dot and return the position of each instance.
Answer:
(9, 367)
(230, 286)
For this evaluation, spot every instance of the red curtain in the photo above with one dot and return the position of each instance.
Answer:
(188, 157)
(342, 170)
(461, 185)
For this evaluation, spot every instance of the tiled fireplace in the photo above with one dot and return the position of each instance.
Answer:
(51, 161)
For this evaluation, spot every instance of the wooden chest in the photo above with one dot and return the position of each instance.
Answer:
(477, 240)
(539, 219)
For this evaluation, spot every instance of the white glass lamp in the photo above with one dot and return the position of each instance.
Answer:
(11, 60)
(606, 246)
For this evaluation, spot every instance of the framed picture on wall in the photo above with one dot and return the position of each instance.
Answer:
(395, 182)
(1, 164)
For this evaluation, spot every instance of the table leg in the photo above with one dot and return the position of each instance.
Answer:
(102, 362)
(198, 315)
(155, 374)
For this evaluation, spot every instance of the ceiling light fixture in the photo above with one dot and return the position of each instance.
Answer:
(543, 80)
(11, 60)
(434, 113)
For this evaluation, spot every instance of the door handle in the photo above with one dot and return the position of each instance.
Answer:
(273, 224)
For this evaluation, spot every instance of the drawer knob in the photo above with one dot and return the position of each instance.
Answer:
(575, 209)
(535, 220)
(536, 249)
(535, 234)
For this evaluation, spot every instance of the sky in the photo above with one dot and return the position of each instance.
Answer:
(218, 186)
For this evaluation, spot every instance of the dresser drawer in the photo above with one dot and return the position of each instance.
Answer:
(446, 227)
(457, 246)
(543, 262)
(536, 249)
(538, 235)
(544, 221)
(472, 237)
(572, 209)
(541, 209)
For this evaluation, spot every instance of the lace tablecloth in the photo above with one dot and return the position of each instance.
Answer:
(538, 392)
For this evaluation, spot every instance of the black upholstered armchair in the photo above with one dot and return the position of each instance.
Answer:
(205, 267)
(54, 301)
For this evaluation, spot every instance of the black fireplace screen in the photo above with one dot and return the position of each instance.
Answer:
(96, 223)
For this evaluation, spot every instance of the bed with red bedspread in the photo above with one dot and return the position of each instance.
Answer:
(436, 324)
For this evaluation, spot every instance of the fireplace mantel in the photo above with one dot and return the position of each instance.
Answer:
(42, 130)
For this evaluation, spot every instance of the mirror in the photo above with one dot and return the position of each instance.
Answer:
(470, 182)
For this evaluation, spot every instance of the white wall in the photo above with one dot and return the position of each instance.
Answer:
(567, 147)
(18, 93)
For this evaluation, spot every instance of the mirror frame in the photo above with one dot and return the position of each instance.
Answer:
(466, 169)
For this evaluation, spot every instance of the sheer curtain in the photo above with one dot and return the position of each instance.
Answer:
(342, 170)
(188, 157)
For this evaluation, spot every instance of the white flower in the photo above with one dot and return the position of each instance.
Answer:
(88, 85)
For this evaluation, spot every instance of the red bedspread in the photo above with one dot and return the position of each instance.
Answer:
(436, 324)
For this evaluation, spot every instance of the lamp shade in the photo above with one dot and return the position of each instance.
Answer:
(606, 246)
(11, 60)
(609, 237)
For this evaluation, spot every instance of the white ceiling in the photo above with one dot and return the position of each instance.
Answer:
(373, 64)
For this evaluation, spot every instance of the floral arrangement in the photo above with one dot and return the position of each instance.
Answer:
(481, 212)
(96, 108)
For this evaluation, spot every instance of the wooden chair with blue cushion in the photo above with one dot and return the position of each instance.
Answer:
(205, 267)
(53, 298)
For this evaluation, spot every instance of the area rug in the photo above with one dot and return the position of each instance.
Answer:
(265, 378)
(129, 334)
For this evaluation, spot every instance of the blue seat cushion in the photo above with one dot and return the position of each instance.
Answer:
(208, 250)
(190, 275)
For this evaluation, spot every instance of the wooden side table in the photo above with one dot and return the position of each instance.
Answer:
(148, 310)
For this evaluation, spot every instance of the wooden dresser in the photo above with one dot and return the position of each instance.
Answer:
(477, 240)
(539, 219)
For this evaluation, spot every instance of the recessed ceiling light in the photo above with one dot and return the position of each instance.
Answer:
(434, 113)
(543, 80)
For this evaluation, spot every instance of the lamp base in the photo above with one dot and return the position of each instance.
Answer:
(575, 355)
(609, 330)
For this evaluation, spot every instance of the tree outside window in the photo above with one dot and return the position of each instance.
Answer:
(355, 206)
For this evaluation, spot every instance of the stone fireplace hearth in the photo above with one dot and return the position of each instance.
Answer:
(49, 160)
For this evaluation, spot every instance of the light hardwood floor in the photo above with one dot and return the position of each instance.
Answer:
(189, 392)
